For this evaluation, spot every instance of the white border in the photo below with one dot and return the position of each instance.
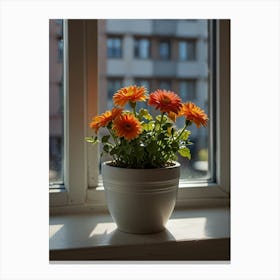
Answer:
(254, 129)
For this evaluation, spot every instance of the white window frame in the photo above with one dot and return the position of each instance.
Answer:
(82, 189)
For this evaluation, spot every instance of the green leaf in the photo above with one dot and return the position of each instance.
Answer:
(185, 152)
(161, 136)
(115, 150)
(175, 146)
(185, 135)
(164, 118)
(107, 148)
(105, 138)
(148, 126)
(92, 140)
(152, 147)
(144, 113)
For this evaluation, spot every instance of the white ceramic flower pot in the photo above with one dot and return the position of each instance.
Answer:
(141, 200)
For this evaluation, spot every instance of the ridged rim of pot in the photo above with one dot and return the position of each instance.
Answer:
(154, 180)
(176, 165)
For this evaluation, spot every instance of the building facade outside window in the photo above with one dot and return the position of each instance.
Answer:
(187, 89)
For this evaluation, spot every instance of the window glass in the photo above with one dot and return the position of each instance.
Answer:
(114, 47)
(164, 50)
(142, 82)
(56, 98)
(186, 50)
(142, 48)
(191, 83)
(187, 90)
(164, 84)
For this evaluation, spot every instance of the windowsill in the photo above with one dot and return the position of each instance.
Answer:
(191, 234)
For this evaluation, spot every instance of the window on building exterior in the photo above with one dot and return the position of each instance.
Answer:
(164, 50)
(56, 105)
(114, 47)
(187, 90)
(186, 50)
(142, 48)
(143, 82)
(165, 84)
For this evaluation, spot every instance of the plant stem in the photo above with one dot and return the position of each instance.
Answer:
(161, 119)
(133, 106)
(183, 129)
(160, 122)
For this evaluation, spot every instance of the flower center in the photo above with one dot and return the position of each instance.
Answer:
(130, 93)
(165, 100)
(127, 126)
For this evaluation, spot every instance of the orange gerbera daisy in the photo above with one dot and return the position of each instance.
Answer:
(127, 126)
(129, 94)
(165, 101)
(104, 119)
(194, 114)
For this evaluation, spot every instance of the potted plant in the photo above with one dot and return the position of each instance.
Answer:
(141, 180)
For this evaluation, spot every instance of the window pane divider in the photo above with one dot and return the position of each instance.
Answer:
(75, 172)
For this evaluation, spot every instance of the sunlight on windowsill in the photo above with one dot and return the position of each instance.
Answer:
(88, 230)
